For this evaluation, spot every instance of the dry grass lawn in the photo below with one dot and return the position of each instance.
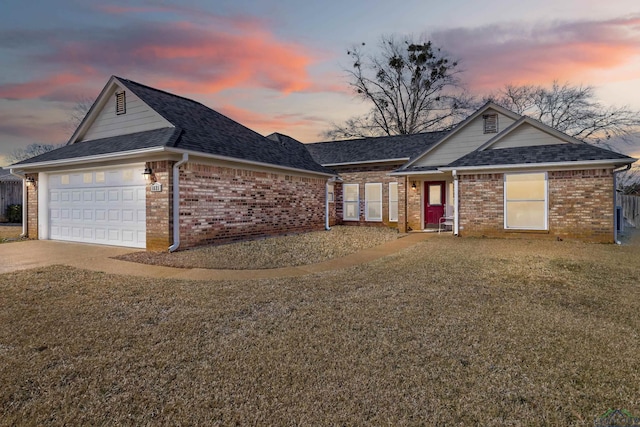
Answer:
(451, 332)
(275, 252)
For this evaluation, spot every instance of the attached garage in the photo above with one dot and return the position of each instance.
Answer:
(104, 206)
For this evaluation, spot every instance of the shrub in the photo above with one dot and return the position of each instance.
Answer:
(14, 213)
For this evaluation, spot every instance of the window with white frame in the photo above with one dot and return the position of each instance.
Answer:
(351, 202)
(373, 201)
(525, 201)
(393, 202)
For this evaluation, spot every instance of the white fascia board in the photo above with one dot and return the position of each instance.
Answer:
(247, 162)
(367, 162)
(549, 165)
(91, 159)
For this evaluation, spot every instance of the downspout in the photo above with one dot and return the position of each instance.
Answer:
(615, 204)
(326, 205)
(455, 203)
(176, 202)
(24, 201)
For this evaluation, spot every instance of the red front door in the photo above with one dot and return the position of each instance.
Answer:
(434, 197)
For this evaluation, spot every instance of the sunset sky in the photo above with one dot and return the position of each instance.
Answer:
(277, 65)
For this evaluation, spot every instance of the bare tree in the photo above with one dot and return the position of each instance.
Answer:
(32, 150)
(77, 113)
(411, 86)
(571, 109)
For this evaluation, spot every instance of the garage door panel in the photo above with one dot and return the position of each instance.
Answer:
(107, 207)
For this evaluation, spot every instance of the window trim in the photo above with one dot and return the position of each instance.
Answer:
(366, 202)
(391, 202)
(345, 202)
(546, 201)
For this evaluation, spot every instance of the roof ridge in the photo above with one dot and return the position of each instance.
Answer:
(162, 91)
(364, 138)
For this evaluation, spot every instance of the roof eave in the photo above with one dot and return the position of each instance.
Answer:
(89, 159)
(248, 162)
(367, 162)
(562, 165)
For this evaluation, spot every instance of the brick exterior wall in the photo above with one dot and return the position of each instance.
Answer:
(580, 206)
(32, 207)
(159, 208)
(375, 174)
(414, 205)
(222, 204)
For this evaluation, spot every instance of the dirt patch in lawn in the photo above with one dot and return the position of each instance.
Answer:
(274, 252)
(449, 332)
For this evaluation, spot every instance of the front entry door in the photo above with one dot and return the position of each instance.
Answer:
(434, 193)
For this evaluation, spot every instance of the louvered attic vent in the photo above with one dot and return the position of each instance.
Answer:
(490, 123)
(121, 103)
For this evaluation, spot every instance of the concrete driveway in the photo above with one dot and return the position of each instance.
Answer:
(41, 253)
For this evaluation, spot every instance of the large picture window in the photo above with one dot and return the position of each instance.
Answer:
(525, 201)
(393, 202)
(373, 201)
(351, 202)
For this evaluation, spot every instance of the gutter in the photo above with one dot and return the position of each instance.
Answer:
(24, 201)
(176, 202)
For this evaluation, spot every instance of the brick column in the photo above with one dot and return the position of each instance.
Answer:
(159, 207)
(32, 207)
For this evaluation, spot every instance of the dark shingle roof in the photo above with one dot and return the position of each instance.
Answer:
(556, 153)
(373, 149)
(197, 128)
(207, 131)
(114, 144)
(5, 176)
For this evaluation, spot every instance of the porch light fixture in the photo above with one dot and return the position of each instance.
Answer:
(148, 174)
(413, 185)
(30, 181)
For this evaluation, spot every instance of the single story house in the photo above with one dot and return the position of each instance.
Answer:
(496, 174)
(154, 170)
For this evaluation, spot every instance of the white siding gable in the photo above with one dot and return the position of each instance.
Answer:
(139, 117)
(526, 135)
(464, 141)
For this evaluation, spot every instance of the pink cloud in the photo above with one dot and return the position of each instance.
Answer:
(291, 124)
(579, 52)
(38, 88)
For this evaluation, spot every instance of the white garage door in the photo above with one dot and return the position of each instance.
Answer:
(105, 206)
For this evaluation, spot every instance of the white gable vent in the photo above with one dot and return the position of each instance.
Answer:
(490, 123)
(121, 103)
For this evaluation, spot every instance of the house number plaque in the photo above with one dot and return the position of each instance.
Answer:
(156, 187)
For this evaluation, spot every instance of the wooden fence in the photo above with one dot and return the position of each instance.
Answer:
(631, 209)
(10, 194)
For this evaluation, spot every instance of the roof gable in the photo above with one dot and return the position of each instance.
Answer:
(102, 121)
(185, 126)
(527, 132)
(466, 137)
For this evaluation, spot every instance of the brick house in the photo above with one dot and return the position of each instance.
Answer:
(144, 160)
(211, 180)
(495, 174)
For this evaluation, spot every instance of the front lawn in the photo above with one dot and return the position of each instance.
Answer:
(450, 332)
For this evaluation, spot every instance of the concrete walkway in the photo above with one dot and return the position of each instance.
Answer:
(41, 253)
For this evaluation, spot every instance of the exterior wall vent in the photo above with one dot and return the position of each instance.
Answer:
(490, 123)
(121, 103)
